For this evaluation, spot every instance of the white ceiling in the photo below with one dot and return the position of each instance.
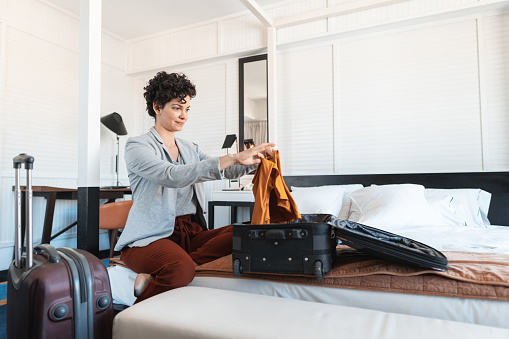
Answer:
(131, 19)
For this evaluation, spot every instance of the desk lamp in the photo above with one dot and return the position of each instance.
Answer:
(114, 123)
(228, 142)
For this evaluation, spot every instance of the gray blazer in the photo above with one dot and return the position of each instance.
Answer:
(154, 180)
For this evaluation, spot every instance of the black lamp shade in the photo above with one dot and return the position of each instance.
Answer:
(114, 123)
(229, 140)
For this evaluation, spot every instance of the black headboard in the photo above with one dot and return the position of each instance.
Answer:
(497, 183)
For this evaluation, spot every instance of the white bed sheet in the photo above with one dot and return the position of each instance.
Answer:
(493, 239)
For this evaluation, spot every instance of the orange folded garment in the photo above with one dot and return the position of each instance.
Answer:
(273, 201)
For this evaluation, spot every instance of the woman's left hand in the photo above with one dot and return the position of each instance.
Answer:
(248, 157)
(255, 154)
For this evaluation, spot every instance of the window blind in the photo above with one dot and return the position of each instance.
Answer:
(305, 111)
(409, 102)
(495, 40)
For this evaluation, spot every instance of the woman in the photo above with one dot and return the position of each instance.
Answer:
(165, 235)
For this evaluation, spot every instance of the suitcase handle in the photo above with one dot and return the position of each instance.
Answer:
(274, 234)
(53, 255)
(23, 158)
(28, 160)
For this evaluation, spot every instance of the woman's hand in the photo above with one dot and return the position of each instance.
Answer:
(255, 154)
(248, 157)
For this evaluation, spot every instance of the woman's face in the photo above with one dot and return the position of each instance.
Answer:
(174, 114)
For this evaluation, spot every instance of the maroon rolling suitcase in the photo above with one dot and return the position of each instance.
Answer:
(54, 293)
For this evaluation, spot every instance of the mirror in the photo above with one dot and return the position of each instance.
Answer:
(253, 111)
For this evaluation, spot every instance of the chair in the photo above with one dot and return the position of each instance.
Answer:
(112, 217)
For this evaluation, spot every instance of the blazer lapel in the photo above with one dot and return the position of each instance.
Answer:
(184, 152)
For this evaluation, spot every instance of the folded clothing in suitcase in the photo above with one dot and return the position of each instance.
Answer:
(308, 246)
(52, 293)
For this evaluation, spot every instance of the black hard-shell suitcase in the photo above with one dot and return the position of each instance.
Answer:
(54, 293)
(308, 246)
(300, 247)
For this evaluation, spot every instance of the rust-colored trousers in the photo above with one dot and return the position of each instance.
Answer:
(171, 260)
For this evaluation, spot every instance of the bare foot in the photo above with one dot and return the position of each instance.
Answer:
(141, 283)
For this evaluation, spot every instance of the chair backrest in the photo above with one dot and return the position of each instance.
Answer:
(114, 215)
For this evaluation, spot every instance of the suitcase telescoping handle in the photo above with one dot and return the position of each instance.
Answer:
(28, 160)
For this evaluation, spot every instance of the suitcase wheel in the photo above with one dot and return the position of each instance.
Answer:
(318, 270)
(59, 312)
(237, 268)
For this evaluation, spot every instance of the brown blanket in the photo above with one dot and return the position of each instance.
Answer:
(469, 275)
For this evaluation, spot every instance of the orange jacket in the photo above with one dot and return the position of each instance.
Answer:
(273, 201)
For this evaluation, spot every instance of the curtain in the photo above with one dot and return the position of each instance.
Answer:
(256, 131)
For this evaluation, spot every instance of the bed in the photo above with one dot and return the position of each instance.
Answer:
(480, 296)
(486, 308)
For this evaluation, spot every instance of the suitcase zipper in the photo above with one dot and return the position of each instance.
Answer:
(83, 305)
(81, 275)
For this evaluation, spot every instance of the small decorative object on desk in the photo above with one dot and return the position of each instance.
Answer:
(233, 185)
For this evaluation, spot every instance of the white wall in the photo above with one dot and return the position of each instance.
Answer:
(39, 110)
(305, 111)
(417, 86)
(415, 95)
(494, 65)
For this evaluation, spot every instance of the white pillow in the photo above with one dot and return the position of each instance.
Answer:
(446, 210)
(344, 204)
(318, 199)
(472, 204)
(347, 203)
(389, 206)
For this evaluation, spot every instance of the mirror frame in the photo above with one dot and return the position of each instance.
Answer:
(243, 61)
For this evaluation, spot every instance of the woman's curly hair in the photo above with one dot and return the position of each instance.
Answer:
(165, 87)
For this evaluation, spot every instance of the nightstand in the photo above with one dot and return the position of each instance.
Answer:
(232, 199)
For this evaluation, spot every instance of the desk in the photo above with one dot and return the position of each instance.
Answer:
(51, 194)
(232, 199)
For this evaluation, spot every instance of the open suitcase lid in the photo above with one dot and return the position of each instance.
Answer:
(382, 244)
